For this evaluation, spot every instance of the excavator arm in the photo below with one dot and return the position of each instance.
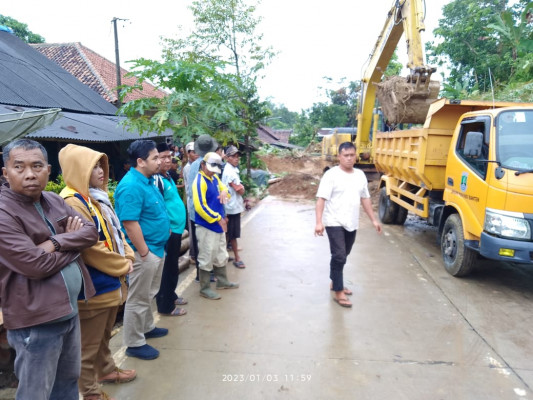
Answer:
(402, 99)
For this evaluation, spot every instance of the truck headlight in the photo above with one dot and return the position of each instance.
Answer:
(507, 224)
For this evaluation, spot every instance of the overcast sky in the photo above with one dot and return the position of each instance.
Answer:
(314, 38)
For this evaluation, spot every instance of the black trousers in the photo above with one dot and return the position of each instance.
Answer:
(169, 277)
(340, 243)
(193, 242)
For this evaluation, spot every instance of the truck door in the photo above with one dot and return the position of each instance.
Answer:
(466, 176)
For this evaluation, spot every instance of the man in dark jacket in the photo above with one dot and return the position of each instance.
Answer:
(41, 275)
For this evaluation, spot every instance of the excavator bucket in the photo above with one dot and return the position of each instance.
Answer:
(404, 101)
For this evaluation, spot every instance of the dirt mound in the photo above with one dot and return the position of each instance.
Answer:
(298, 185)
(300, 175)
(306, 164)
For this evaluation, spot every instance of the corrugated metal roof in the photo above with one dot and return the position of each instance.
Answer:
(28, 78)
(82, 128)
(75, 127)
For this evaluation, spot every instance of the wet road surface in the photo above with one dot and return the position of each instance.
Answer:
(414, 331)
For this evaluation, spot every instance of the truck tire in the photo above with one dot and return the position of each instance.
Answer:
(401, 215)
(458, 259)
(387, 209)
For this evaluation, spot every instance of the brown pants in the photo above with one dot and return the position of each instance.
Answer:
(96, 358)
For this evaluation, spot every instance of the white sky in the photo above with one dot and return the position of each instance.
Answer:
(314, 38)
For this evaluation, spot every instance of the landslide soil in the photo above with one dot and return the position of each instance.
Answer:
(300, 176)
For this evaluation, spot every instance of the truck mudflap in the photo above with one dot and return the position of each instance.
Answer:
(490, 248)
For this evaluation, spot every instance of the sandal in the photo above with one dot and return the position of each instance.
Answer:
(177, 312)
(180, 301)
(239, 264)
(343, 302)
(346, 291)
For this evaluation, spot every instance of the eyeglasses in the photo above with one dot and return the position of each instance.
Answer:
(216, 165)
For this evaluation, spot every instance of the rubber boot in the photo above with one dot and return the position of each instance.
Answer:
(205, 286)
(222, 279)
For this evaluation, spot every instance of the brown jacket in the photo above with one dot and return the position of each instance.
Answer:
(32, 288)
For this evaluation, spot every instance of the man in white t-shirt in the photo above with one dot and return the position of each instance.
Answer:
(342, 190)
(235, 206)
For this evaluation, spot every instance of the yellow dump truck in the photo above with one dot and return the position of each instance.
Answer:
(469, 172)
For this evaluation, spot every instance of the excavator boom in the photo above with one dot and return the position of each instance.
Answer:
(402, 99)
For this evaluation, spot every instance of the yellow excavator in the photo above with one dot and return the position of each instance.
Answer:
(402, 99)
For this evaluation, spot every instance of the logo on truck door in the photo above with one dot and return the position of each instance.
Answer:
(464, 179)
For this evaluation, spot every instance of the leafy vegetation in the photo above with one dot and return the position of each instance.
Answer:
(202, 99)
(59, 184)
(21, 30)
(484, 45)
(55, 186)
(211, 76)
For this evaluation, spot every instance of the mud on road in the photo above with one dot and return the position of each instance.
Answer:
(300, 177)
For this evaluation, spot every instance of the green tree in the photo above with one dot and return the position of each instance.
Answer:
(395, 67)
(280, 117)
(225, 31)
(21, 30)
(202, 100)
(344, 98)
(468, 49)
(304, 130)
(328, 115)
(513, 27)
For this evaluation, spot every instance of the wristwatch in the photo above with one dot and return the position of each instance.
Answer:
(56, 244)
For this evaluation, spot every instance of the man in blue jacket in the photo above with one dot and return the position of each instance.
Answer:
(209, 196)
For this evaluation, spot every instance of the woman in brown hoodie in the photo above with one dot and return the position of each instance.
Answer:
(86, 174)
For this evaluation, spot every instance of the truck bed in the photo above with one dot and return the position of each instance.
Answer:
(418, 156)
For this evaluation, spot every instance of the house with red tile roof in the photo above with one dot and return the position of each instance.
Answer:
(275, 137)
(94, 70)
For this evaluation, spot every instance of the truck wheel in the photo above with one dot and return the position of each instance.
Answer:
(387, 209)
(401, 216)
(458, 259)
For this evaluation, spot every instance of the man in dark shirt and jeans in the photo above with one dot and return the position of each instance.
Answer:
(41, 276)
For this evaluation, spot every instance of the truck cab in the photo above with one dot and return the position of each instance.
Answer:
(489, 186)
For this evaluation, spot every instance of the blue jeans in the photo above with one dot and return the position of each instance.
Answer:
(48, 360)
(340, 244)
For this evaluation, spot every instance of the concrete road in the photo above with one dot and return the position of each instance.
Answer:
(414, 332)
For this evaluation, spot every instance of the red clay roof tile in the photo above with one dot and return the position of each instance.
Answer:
(94, 70)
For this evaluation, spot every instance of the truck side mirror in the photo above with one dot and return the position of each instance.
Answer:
(473, 144)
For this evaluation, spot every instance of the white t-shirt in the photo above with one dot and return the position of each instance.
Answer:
(235, 205)
(343, 192)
